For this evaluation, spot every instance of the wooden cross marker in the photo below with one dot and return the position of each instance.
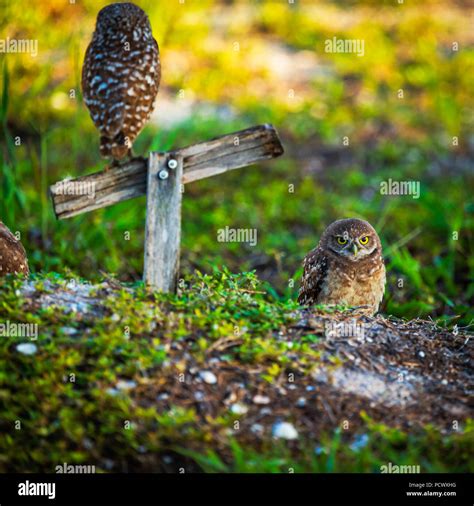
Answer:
(161, 177)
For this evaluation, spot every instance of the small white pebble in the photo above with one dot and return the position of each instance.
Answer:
(257, 428)
(208, 377)
(284, 430)
(199, 396)
(239, 409)
(27, 348)
(261, 399)
(69, 331)
(125, 385)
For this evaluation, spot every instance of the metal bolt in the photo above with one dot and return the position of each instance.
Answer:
(163, 174)
(172, 164)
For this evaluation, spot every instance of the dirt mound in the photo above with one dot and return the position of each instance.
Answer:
(405, 374)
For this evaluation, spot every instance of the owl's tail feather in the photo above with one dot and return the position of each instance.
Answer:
(116, 148)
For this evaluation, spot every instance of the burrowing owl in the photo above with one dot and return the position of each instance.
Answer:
(345, 268)
(12, 254)
(121, 76)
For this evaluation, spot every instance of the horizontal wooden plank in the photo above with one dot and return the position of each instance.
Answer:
(101, 189)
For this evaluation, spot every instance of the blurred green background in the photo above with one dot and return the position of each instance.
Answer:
(232, 64)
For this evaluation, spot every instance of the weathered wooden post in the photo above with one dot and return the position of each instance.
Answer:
(161, 178)
(163, 220)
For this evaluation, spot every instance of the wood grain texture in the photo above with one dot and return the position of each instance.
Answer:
(102, 189)
(163, 222)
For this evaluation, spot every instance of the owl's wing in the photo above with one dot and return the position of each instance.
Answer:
(12, 254)
(102, 90)
(315, 268)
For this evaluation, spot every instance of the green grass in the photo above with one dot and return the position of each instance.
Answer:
(428, 449)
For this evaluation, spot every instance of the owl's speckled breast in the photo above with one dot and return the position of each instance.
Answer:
(363, 285)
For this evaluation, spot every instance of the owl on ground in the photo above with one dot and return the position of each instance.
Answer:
(12, 254)
(345, 268)
(120, 77)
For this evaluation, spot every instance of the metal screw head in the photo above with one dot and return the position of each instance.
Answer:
(172, 164)
(163, 174)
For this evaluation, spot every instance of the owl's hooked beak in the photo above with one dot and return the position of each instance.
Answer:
(355, 249)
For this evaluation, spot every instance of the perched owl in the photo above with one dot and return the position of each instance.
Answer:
(120, 77)
(345, 268)
(12, 254)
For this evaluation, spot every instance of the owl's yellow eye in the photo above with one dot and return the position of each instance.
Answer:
(364, 240)
(341, 240)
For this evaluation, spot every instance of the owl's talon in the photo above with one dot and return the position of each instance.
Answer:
(115, 164)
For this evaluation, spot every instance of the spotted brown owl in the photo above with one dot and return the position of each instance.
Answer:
(120, 77)
(345, 268)
(12, 254)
